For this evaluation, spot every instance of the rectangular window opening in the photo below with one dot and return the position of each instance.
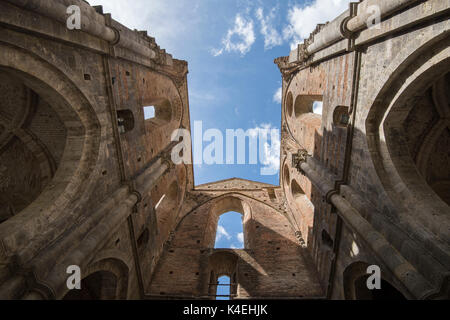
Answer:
(149, 112)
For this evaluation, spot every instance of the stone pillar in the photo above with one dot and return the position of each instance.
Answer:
(148, 179)
(417, 285)
(397, 264)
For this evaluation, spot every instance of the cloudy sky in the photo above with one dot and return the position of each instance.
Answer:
(230, 46)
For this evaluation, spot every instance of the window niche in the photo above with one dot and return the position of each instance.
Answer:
(125, 120)
(341, 117)
(230, 231)
(289, 104)
(305, 104)
(158, 112)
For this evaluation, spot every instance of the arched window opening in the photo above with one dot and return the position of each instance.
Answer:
(229, 233)
(100, 285)
(125, 120)
(308, 104)
(224, 288)
(386, 291)
(297, 191)
(356, 288)
(301, 200)
(341, 118)
(223, 278)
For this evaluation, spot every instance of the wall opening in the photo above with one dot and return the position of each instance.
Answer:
(308, 104)
(286, 175)
(296, 191)
(289, 104)
(223, 288)
(230, 231)
(341, 118)
(149, 112)
(317, 107)
(125, 120)
(158, 112)
(100, 285)
(355, 285)
(301, 200)
(33, 138)
(387, 291)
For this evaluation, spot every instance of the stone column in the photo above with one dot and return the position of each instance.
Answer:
(148, 179)
(417, 285)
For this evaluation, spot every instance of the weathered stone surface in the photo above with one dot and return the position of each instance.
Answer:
(86, 180)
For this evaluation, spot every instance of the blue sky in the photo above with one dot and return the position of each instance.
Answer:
(230, 232)
(230, 46)
(233, 83)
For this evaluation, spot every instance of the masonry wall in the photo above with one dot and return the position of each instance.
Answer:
(272, 264)
(366, 161)
(92, 213)
(85, 180)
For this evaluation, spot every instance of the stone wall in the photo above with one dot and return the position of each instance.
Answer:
(90, 211)
(365, 173)
(86, 180)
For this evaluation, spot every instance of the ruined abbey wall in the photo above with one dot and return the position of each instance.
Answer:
(375, 199)
(87, 180)
(87, 160)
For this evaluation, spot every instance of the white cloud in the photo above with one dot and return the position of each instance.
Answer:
(222, 233)
(304, 19)
(240, 237)
(277, 95)
(271, 157)
(270, 153)
(254, 132)
(169, 22)
(272, 37)
(243, 29)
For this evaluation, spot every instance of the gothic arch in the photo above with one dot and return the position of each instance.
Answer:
(159, 91)
(106, 279)
(388, 140)
(355, 286)
(303, 123)
(82, 144)
(223, 205)
(222, 263)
